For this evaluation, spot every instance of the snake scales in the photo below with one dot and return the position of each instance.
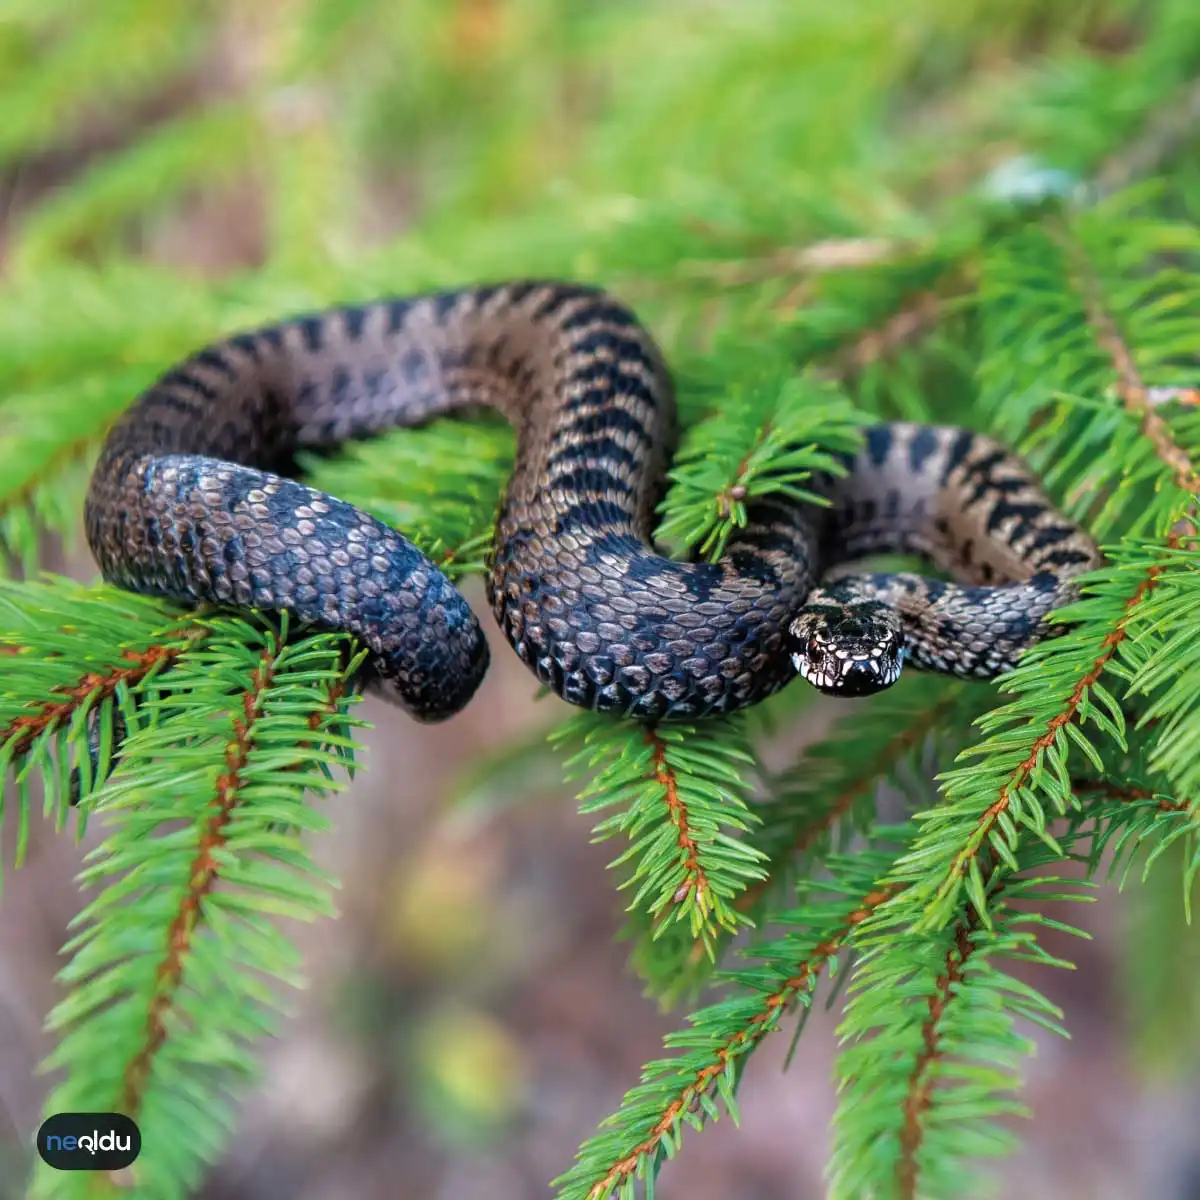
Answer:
(190, 500)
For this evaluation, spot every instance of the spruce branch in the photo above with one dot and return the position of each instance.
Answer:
(80, 659)
(930, 1054)
(1127, 826)
(1129, 386)
(812, 809)
(685, 1089)
(774, 432)
(1018, 776)
(46, 446)
(1164, 663)
(175, 968)
(681, 794)
(919, 1097)
(843, 272)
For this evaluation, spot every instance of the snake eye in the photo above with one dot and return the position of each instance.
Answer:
(813, 648)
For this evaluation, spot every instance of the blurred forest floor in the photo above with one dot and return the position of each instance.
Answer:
(465, 1057)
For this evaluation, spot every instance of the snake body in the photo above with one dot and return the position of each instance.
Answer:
(191, 500)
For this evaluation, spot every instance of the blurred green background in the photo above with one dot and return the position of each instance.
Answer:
(171, 168)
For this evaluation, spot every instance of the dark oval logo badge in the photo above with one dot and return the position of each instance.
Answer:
(89, 1141)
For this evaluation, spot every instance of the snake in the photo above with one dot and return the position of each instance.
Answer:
(196, 497)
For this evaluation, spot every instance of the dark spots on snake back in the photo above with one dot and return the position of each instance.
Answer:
(556, 299)
(375, 381)
(233, 551)
(340, 384)
(864, 512)
(593, 479)
(610, 314)
(166, 398)
(182, 380)
(518, 292)
(1065, 558)
(1050, 535)
(485, 293)
(879, 444)
(586, 514)
(312, 332)
(765, 509)
(618, 420)
(984, 468)
(766, 541)
(355, 319)
(237, 486)
(754, 567)
(245, 343)
(984, 486)
(523, 378)
(622, 349)
(414, 369)
(1008, 487)
(922, 447)
(960, 447)
(603, 448)
(444, 304)
(1024, 514)
(397, 314)
(499, 356)
(601, 380)
(935, 589)
(212, 359)
(588, 397)
(271, 336)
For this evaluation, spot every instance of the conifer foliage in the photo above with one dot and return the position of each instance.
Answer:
(978, 214)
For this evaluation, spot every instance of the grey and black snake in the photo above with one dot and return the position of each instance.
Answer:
(190, 500)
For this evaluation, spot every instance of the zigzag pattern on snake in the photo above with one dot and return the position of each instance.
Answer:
(190, 500)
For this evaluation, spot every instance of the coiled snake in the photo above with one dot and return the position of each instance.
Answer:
(188, 501)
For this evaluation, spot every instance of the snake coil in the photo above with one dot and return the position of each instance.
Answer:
(190, 500)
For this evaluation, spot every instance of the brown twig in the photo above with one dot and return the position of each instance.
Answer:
(918, 316)
(52, 713)
(919, 1094)
(1115, 791)
(991, 815)
(745, 1039)
(1131, 389)
(201, 880)
(696, 880)
(832, 254)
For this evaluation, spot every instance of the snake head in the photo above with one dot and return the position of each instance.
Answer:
(845, 647)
